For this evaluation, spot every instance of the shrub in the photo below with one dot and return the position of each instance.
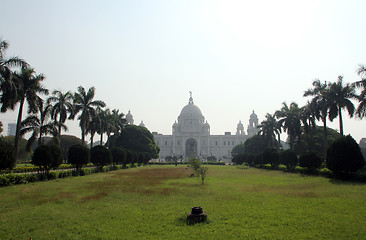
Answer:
(344, 156)
(251, 160)
(310, 160)
(57, 158)
(258, 160)
(100, 156)
(118, 156)
(47, 157)
(211, 158)
(289, 159)
(78, 156)
(239, 158)
(64, 142)
(202, 172)
(130, 157)
(195, 164)
(7, 155)
(271, 156)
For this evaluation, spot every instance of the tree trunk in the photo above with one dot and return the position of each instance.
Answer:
(291, 142)
(340, 121)
(82, 135)
(324, 118)
(108, 135)
(40, 137)
(59, 126)
(299, 144)
(279, 141)
(91, 140)
(311, 140)
(17, 133)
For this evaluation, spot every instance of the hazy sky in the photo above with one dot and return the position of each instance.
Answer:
(145, 56)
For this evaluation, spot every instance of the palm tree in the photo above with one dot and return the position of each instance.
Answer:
(8, 97)
(110, 124)
(62, 109)
(361, 109)
(102, 124)
(269, 129)
(320, 104)
(38, 125)
(339, 97)
(94, 126)
(308, 115)
(84, 103)
(120, 120)
(28, 89)
(289, 119)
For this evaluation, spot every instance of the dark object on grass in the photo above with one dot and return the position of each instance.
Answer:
(196, 216)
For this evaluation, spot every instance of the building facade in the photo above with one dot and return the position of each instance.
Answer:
(191, 136)
(12, 127)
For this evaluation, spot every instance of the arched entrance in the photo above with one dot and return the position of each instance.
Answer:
(191, 148)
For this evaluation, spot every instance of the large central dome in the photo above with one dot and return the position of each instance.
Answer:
(191, 121)
(191, 111)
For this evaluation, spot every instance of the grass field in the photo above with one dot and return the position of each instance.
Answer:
(152, 203)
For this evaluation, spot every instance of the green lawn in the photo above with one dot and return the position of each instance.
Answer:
(152, 203)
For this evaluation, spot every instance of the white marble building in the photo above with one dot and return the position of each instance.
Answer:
(191, 136)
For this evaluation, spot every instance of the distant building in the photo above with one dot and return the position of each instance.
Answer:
(12, 129)
(191, 136)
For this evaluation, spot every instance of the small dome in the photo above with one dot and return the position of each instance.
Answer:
(253, 115)
(206, 124)
(142, 124)
(240, 124)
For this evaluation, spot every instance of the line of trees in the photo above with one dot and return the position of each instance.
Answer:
(311, 143)
(328, 101)
(20, 84)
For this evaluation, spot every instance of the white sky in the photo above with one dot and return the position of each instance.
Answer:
(145, 56)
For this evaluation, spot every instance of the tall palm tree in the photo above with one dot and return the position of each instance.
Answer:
(110, 124)
(84, 103)
(94, 126)
(39, 126)
(308, 115)
(340, 96)
(320, 104)
(289, 119)
(8, 97)
(28, 89)
(120, 120)
(269, 129)
(102, 123)
(361, 109)
(62, 109)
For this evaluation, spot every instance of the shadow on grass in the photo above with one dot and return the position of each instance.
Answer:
(347, 181)
(182, 222)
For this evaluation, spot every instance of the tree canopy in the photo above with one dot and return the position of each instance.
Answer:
(137, 139)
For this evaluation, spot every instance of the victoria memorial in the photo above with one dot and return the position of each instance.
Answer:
(191, 135)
